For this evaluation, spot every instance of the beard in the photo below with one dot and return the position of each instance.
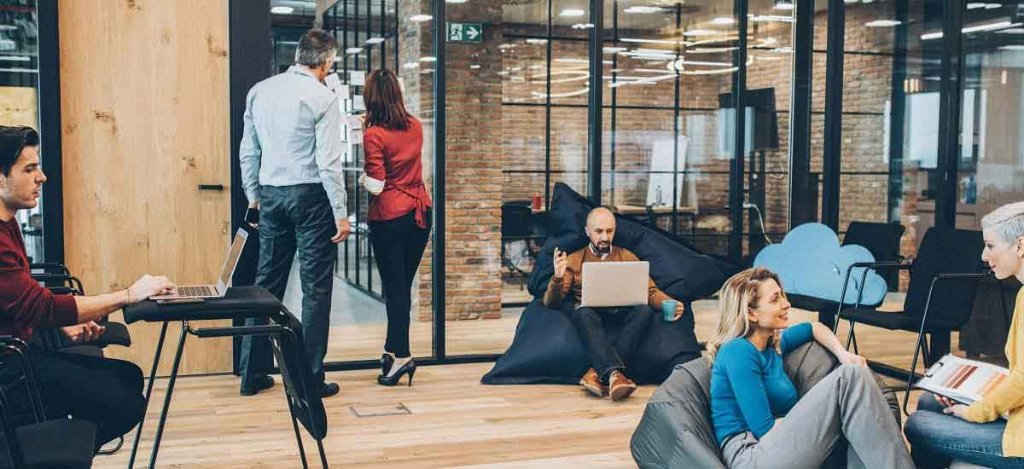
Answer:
(602, 248)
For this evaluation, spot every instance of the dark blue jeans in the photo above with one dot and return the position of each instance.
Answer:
(936, 438)
(295, 218)
(398, 248)
(607, 354)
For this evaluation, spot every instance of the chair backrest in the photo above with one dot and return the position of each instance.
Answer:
(303, 391)
(882, 240)
(516, 220)
(945, 251)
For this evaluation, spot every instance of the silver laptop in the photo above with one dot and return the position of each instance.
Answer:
(615, 284)
(226, 272)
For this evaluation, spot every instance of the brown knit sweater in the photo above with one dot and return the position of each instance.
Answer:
(572, 281)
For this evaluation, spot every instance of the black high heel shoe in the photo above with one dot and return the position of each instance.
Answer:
(408, 368)
(386, 360)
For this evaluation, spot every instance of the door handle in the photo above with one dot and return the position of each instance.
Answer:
(211, 187)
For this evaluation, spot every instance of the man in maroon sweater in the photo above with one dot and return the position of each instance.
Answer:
(103, 391)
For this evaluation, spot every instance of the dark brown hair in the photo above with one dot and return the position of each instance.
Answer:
(383, 97)
(12, 141)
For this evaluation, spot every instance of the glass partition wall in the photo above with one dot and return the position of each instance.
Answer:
(835, 137)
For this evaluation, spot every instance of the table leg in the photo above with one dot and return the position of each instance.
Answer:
(167, 398)
(149, 392)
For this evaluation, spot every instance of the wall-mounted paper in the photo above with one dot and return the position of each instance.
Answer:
(357, 103)
(356, 78)
(333, 83)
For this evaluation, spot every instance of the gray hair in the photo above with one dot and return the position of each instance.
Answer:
(315, 48)
(1007, 221)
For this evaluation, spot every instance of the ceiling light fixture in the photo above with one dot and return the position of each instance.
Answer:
(420, 18)
(723, 20)
(353, 50)
(783, 5)
(882, 23)
(572, 12)
(643, 9)
(282, 10)
(374, 40)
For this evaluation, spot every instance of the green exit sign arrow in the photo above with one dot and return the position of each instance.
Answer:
(465, 32)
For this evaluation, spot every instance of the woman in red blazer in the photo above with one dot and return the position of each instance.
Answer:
(399, 213)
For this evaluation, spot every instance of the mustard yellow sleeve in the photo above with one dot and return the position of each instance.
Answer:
(1008, 396)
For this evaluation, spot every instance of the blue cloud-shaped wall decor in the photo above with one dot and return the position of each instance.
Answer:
(811, 262)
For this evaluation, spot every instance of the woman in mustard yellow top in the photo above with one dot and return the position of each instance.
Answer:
(941, 430)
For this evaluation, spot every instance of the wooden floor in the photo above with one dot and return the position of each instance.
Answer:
(452, 420)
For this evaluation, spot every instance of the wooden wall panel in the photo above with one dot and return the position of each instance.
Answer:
(144, 88)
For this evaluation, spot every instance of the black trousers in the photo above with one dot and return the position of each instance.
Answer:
(295, 218)
(398, 247)
(103, 391)
(606, 353)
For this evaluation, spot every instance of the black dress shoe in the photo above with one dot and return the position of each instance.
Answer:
(409, 368)
(386, 360)
(328, 389)
(259, 384)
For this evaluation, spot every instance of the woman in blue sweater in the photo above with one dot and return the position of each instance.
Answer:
(749, 388)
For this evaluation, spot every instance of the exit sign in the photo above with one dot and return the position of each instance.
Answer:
(465, 32)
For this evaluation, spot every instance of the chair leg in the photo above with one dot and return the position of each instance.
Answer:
(323, 456)
(851, 339)
(298, 439)
(913, 367)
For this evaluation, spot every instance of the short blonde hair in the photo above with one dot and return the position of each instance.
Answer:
(737, 296)
(1007, 221)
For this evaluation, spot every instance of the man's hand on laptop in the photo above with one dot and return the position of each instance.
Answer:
(344, 228)
(148, 286)
(561, 263)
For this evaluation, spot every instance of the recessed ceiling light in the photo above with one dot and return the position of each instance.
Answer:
(282, 10)
(353, 50)
(428, 59)
(643, 9)
(473, 66)
(455, 1)
(572, 12)
(375, 40)
(612, 50)
(975, 5)
(411, 65)
(993, 6)
(420, 18)
(583, 26)
(783, 5)
(723, 20)
(536, 41)
(882, 23)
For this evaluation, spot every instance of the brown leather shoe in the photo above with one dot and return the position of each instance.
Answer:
(620, 387)
(592, 383)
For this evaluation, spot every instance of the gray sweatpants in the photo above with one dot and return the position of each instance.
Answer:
(847, 403)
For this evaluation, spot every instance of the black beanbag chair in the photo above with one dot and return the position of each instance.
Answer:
(546, 347)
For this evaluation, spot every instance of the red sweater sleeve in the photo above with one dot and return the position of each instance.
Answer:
(373, 147)
(24, 303)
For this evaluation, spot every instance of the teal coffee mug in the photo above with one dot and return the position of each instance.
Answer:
(668, 310)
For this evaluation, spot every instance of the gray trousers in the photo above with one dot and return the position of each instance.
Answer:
(846, 403)
(295, 218)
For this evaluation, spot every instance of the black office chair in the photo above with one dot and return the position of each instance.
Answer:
(883, 241)
(29, 439)
(947, 259)
(58, 279)
(516, 225)
(301, 389)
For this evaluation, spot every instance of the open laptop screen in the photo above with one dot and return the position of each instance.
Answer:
(232, 260)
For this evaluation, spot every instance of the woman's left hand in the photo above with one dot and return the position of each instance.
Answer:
(956, 410)
(849, 358)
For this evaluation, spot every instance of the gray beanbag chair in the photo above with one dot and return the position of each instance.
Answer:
(675, 430)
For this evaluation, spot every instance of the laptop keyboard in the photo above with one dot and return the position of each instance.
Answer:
(195, 290)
